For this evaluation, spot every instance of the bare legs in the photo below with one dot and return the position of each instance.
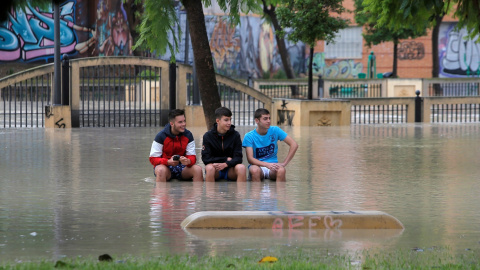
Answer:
(238, 172)
(163, 173)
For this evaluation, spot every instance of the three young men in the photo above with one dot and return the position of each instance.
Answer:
(173, 150)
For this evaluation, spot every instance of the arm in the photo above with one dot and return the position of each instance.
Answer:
(291, 152)
(190, 157)
(156, 154)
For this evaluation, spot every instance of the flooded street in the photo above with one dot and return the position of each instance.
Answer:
(91, 191)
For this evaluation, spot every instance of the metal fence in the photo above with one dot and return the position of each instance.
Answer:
(379, 114)
(285, 91)
(458, 113)
(357, 90)
(242, 105)
(121, 96)
(454, 89)
(22, 103)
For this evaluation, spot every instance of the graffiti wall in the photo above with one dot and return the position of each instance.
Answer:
(28, 35)
(99, 28)
(248, 49)
(459, 56)
(338, 70)
(411, 50)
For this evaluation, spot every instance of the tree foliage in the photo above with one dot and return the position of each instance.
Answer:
(311, 20)
(395, 13)
(374, 33)
(7, 5)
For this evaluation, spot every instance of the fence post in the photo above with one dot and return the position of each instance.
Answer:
(418, 107)
(65, 80)
(172, 77)
(320, 86)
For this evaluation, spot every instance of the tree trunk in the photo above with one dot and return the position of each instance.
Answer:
(269, 10)
(310, 74)
(395, 58)
(207, 82)
(435, 56)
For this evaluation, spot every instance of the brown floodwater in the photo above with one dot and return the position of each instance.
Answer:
(90, 191)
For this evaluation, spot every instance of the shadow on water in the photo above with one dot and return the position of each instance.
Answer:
(92, 191)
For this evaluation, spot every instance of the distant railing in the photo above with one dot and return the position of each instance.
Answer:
(382, 110)
(296, 88)
(450, 87)
(451, 109)
(357, 90)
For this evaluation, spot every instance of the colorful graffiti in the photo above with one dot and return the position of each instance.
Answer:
(340, 69)
(248, 49)
(459, 55)
(29, 35)
(411, 50)
(225, 44)
(112, 35)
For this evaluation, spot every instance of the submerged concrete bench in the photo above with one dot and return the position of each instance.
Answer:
(291, 220)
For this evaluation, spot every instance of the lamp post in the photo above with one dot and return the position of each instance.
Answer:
(57, 91)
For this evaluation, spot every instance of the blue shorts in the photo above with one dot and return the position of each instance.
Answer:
(176, 171)
(223, 174)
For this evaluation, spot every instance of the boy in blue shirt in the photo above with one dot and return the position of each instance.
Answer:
(261, 149)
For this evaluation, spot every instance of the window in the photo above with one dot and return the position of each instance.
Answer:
(347, 44)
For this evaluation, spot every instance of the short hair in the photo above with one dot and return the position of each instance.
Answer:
(260, 112)
(222, 111)
(174, 113)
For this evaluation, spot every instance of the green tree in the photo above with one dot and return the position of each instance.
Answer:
(310, 21)
(395, 14)
(160, 19)
(375, 34)
(7, 5)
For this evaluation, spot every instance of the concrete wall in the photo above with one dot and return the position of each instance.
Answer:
(293, 112)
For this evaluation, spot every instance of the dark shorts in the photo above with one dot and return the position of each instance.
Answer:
(223, 174)
(176, 171)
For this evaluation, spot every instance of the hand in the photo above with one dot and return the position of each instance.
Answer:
(220, 166)
(172, 162)
(274, 166)
(185, 161)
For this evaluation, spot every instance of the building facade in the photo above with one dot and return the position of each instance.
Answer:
(92, 28)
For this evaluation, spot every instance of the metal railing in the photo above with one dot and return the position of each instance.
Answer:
(23, 97)
(241, 99)
(451, 109)
(444, 113)
(355, 90)
(295, 88)
(120, 95)
(382, 111)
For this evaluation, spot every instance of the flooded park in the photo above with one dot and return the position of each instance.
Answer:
(90, 191)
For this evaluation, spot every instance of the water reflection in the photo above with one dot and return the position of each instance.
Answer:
(92, 191)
